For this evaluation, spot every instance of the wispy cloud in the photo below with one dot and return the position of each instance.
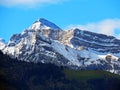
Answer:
(28, 3)
(108, 27)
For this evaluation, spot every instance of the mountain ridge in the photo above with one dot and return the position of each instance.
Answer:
(75, 48)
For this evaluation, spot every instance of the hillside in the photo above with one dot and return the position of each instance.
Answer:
(20, 75)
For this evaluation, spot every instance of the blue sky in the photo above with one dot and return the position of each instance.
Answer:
(102, 16)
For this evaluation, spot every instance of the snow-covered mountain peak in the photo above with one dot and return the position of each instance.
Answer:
(78, 49)
(44, 24)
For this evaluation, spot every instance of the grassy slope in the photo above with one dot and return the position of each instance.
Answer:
(93, 79)
(89, 74)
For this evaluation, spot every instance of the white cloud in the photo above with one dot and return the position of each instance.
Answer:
(108, 27)
(28, 3)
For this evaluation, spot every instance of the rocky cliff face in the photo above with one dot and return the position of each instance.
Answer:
(92, 41)
(45, 42)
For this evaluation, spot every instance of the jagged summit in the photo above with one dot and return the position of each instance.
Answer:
(42, 23)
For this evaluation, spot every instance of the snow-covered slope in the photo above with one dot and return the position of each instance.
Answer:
(47, 43)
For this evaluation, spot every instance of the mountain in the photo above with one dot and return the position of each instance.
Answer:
(78, 49)
(20, 75)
